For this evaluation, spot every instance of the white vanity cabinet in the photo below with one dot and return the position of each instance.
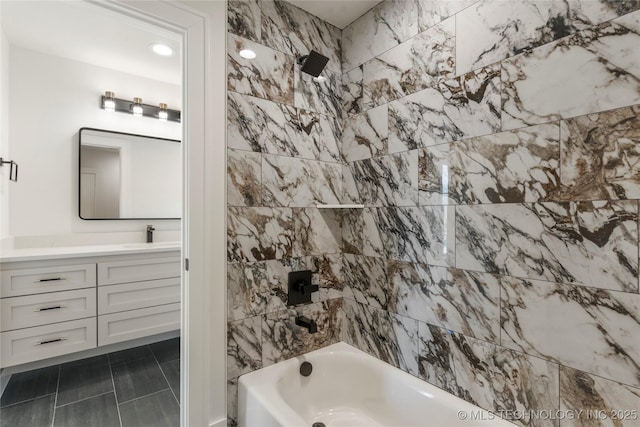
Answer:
(51, 307)
(137, 298)
(46, 311)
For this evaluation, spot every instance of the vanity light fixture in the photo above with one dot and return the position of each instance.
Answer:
(247, 54)
(136, 108)
(161, 111)
(109, 101)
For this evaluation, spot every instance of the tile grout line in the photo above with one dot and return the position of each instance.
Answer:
(146, 395)
(164, 376)
(86, 398)
(55, 400)
(115, 394)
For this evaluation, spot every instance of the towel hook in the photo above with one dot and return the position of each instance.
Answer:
(13, 170)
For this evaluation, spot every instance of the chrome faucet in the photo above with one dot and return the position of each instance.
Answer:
(150, 231)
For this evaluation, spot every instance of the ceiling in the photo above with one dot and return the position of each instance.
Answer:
(92, 34)
(337, 12)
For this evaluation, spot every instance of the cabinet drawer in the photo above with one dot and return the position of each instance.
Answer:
(131, 296)
(42, 342)
(41, 309)
(48, 279)
(128, 325)
(111, 273)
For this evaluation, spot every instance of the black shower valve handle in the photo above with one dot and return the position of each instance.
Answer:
(306, 289)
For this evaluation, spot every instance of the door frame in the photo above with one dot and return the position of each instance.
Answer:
(203, 331)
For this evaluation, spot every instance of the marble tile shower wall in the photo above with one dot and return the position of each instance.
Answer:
(283, 158)
(495, 147)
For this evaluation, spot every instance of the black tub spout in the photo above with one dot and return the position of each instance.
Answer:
(311, 325)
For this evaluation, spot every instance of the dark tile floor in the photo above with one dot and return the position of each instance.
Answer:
(137, 387)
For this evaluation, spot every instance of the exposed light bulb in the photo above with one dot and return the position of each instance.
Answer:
(247, 54)
(137, 107)
(109, 103)
(163, 113)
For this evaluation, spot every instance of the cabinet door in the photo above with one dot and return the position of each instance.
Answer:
(111, 273)
(42, 342)
(128, 325)
(42, 309)
(131, 296)
(47, 279)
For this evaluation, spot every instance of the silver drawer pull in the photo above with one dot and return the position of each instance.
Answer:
(53, 307)
(50, 341)
(53, 279)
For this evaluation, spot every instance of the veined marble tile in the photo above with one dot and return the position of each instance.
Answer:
(269, 75)
(385, 181)
(351, 189)
(291, 30)
(491, 31)
(397, 180)
(600, 155)
(243, 178)
(243, 19)
(361, 233)
(499, 379)
(460, 108)
(277, 276)
(260, 125)
(317, 231)
(431, 12)
(423, 234)
(383, 27)
(589, 243)
(435, 360)
(247, 290)
(508, 167)
(232, 403)
(581, 393)
(365, 135)
(321, 97)
(589, 329)
(593, 70)
(256, 234)
(389, 337)
(352, 92)
(327, 274)
(463, 301)
(327, 138)
(287, 181)
(365, 281)
(282, 339)
(244, 350)
(400, 71)
(433, 176)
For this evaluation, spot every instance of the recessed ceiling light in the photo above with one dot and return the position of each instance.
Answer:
(247, 54)
(162, 49)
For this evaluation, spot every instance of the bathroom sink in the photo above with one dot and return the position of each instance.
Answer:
(152, 245)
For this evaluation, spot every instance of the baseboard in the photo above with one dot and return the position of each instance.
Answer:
(220, 423)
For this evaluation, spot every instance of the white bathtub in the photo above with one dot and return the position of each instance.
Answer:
(349, 388)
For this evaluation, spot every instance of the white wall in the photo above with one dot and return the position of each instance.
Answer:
(4, 133)
(50, 99)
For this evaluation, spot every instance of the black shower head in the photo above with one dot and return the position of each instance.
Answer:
(313, 63)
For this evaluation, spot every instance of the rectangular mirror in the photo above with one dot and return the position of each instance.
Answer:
(127, 176)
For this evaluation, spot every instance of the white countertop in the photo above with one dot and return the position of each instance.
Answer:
(57, 252)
